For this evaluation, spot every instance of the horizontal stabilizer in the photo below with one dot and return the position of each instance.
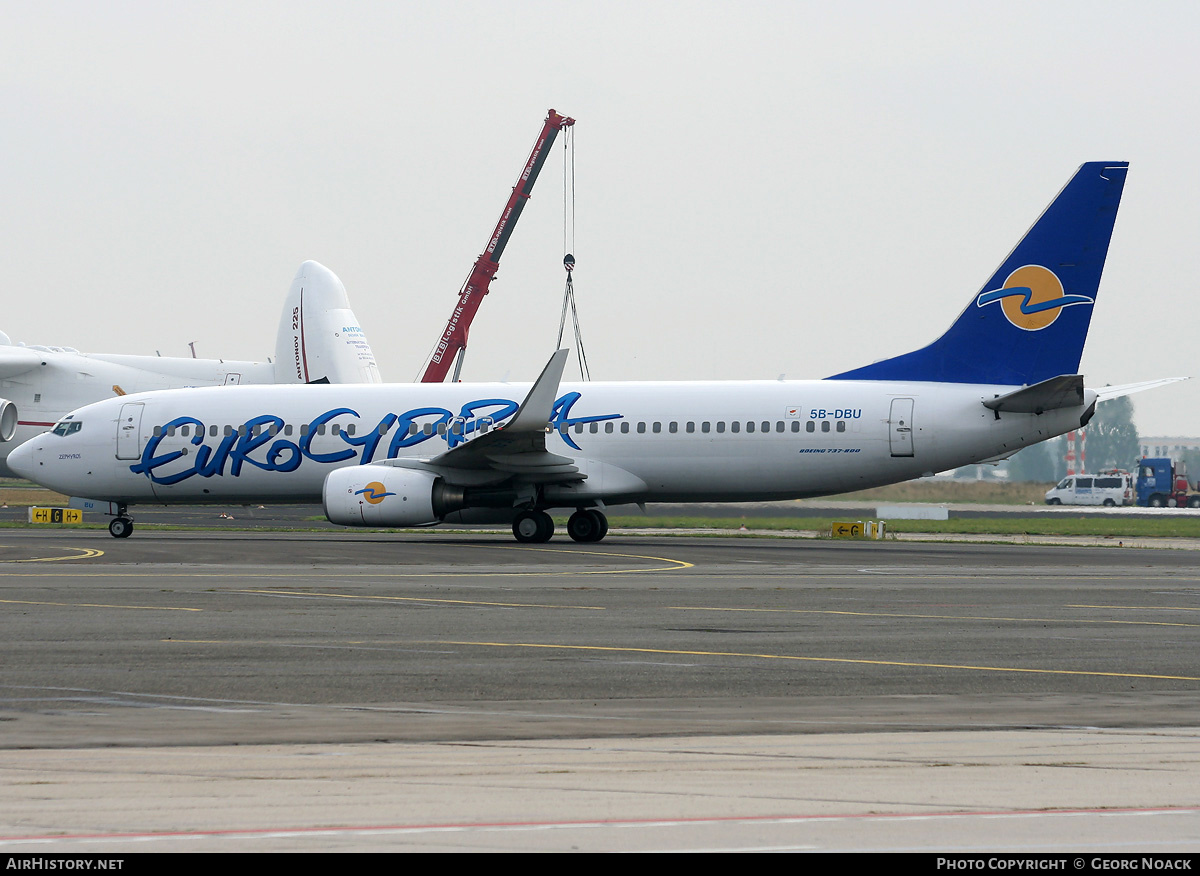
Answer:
(1064, 391)
(1104, 393)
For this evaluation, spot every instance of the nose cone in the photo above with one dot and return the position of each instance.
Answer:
(21, 460)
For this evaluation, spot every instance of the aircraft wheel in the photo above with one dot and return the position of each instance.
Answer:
(120, 527)
(587, 525)
(533, 527)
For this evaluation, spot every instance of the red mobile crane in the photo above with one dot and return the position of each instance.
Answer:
(453, 343)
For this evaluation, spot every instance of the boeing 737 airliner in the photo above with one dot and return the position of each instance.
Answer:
(1001, 378)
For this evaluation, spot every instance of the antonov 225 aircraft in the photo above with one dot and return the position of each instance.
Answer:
(319, 341)
(1002, 378)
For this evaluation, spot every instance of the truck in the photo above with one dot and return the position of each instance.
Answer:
(1161, 483)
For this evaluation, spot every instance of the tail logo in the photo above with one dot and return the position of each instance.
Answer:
(374, 492)
(1032, 298)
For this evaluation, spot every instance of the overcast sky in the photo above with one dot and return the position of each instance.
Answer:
(763, 188)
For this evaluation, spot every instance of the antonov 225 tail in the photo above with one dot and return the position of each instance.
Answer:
(1003, 377)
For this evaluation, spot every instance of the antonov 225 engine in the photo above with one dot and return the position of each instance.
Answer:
(8, 420)
(385, 495)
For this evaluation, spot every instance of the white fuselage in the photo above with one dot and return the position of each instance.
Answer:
(59, 381)
(719, 441)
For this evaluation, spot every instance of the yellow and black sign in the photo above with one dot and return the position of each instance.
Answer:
(859, 529)
(55, 515)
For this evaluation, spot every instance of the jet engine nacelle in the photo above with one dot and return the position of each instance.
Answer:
(8, 420)
(385, 495)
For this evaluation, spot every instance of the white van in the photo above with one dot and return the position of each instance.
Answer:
(1106, 488)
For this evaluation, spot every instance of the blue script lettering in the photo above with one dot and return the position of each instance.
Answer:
(253, 443)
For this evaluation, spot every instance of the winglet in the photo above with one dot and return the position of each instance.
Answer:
(534, 413)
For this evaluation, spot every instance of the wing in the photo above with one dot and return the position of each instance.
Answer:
(516, 448)
(18, 360)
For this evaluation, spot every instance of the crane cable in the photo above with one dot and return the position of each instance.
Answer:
(568, 248)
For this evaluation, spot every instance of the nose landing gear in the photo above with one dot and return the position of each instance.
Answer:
(121, 525)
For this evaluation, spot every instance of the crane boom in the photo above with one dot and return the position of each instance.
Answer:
(453, 342)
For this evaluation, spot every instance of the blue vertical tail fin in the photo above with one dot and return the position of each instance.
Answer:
(1029, 321)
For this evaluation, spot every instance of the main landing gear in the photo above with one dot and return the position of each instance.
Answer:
(536, 527)
(587, 525)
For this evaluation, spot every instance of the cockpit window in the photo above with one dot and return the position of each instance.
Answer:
(67, 427)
